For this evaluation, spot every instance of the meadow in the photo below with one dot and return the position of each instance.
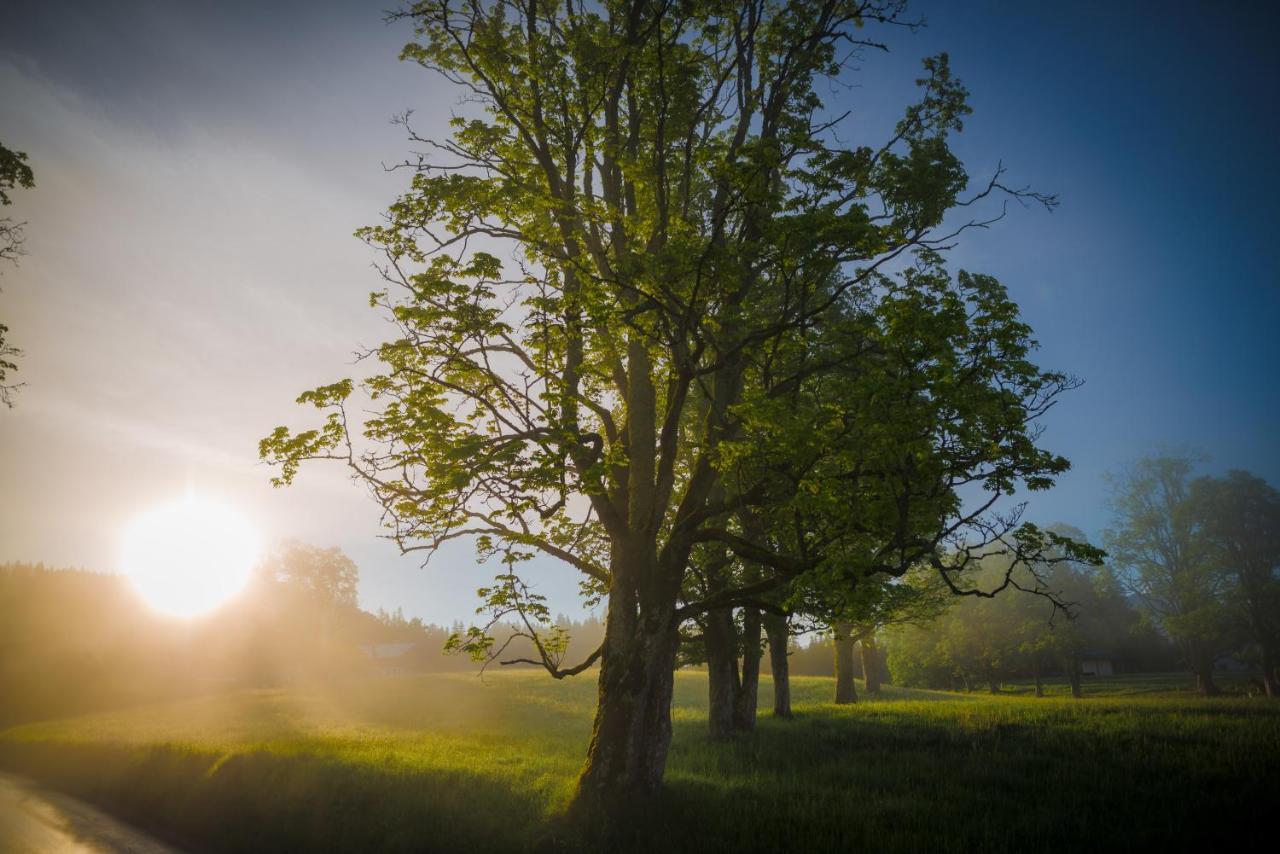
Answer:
(453, 762)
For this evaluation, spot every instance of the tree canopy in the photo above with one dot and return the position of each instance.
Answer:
(645, 295)
(326, 575)
(14, 172)
(1240, 515)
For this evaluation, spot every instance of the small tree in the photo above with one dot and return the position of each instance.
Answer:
(877, 604)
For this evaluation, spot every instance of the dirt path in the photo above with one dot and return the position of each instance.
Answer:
(37, 821)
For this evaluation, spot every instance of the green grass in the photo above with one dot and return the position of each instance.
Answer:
(450, 762)
(1170, 685)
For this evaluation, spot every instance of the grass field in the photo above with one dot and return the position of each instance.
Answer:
(450, 762)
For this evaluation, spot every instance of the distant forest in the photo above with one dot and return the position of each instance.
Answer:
(73, 641)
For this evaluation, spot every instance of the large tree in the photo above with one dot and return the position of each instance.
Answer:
(1164, 556)
(1241, 518)
(677, 211)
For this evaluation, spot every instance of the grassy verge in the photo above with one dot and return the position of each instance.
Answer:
(449, 762)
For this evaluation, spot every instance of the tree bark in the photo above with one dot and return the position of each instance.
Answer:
(775, 627)
(1035, 673)
(846, 692)
(723, 686)
(870, 665)
(748, 699)
(632, 730)
(1073, 676)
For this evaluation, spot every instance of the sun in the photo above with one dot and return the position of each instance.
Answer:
(190, 556)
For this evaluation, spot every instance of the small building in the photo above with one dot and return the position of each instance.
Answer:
(1097, 663)
(389, 658)
(1233, 664)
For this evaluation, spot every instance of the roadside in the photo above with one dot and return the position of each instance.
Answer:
(36, 821)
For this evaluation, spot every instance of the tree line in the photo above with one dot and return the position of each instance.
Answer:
(1192, 576)
(73, 641)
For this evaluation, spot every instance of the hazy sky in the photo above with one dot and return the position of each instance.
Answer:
(200, 168)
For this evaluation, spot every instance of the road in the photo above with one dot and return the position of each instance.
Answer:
(36, 821)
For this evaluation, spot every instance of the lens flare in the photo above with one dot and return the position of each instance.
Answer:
(190, 556)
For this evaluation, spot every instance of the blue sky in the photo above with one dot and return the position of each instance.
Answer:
(1156, 280)
(201, 166)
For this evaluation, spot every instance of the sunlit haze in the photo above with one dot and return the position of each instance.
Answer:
(189, 556)
(200, 169)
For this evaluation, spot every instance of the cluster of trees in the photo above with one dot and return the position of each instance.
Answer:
(985, 641)
(72, 640)
(1194, 575)
(1201, 557)
(657, 320)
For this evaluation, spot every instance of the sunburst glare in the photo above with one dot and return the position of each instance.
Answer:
(190, 556)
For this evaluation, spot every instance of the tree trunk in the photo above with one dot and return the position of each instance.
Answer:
(632, 730)
(1035, 673)
(1073, 676)
(993, 685)
(748, 699)
(1204, 674)
(723, 684)
(845, 690)
(870, 665)
(775, 627)
(1268, 670)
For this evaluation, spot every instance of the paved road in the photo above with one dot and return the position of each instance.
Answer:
(37, 821)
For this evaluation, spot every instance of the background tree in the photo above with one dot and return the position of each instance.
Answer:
(880, 478)
(919, 599)
(1241, 518)
(677, 209)
(875, 605)
(988, 641)
(1093, 621)
(1164, 556)
(1066, 639)
(14, 172)
(325, 575)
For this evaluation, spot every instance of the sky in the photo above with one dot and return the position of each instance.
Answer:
(200, 168)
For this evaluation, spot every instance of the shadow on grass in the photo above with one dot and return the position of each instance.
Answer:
(885, 777)
(886, 782)
(262, 801)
